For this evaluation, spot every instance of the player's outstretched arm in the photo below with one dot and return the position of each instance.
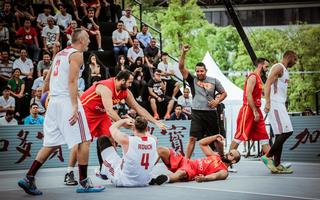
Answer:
(117, 135)
(220, 175)
(205, 142)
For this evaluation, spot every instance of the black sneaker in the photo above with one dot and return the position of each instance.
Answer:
(69, 179)
(28, 184)
(161, 179)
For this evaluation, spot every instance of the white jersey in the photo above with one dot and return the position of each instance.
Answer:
(138, 162)
(279, 88)
(59, 78)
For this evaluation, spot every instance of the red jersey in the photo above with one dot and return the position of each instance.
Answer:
(256, 93)
(27, 36)
(208, 165)
(93, 102)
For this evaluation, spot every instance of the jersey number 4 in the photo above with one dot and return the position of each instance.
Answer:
(145, 160)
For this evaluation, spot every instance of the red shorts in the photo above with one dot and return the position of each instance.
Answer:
(179, 162)
(247, 128)
(99, 124)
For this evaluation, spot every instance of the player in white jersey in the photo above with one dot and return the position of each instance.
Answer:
(65, 121)
(139, 154)
(276, 96)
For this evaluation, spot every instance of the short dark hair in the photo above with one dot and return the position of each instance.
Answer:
(91, 9)
(289, 53)
(120, 21)
(164, 54)
(33, 104)
(9, 112)
(124, 74)
(201, 64)
(260, 61)
(141, 124)
(6, 88)
(157, 70)
(145, 25)
(178, 105)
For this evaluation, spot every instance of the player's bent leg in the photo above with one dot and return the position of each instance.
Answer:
(164, 154)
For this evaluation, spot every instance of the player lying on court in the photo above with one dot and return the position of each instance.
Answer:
(210, 168)
(139, 154)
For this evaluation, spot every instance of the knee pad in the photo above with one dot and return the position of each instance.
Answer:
(103, 143)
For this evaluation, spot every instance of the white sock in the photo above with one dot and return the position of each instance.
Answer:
(70, 169)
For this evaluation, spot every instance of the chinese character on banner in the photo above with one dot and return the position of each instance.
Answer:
(57, 151)
(4, 144)
(175, 133)
(24, 147)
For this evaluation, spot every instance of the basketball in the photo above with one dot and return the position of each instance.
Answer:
(45, 99)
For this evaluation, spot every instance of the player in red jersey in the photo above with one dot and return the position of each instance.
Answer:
(250, 123)
(210, 168)
(98, 101)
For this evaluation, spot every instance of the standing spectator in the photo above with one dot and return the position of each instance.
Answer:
(23, 10)
(178, 114)
(37, 100)
(134, 52)
(120, 39)
(7, 102)
(45, 63)
(50, 35)
(8, 18)
(157, 89)
(4, 37)
(204, 120)
(129, 23)
(8, 119)
(42, 19)
(186, 102)
(34, 118)
(167, 71)
(29, 37)
(144, 36)
(39, 81)
(5, 68)
(90, 24)
(152, 54)
(63, 19)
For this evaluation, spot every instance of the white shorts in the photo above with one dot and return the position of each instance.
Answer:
(111, 166)
(279, 118)
(57, 129)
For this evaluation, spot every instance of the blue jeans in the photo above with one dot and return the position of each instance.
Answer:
(118, 49)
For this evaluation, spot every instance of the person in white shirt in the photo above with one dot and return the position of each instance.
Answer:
(63, 19)
(43, 17)
(8, 119)
(50, 35)
(139, 154)
(24, 64)
(134, 52)
(185, 101)
(37, 99)
(130, 23)
(7, 102)
(120, 39)
(39, 81)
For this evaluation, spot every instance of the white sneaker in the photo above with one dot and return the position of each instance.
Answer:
(100, 49)
(139, 99)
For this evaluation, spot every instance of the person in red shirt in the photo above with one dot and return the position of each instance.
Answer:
(250, 122)
(29, 38)
(210, 168)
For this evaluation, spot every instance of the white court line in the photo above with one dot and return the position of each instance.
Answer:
(242, 192)
(278, 177)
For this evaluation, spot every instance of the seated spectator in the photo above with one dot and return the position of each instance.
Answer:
(90, 24)
(56, 48)
(50, 35)
(139, 85)
(167, 72)
(6, 102)
(8, 119)
(134, 52)
(37, 100)
(120, 40)
(6, 67)
(121, 64)
(186, 102)
(152, 54)
(17, 87)
(178, 114)
(91, 4)
(157, 90)
(130, 24)
(4, 37)
(307, 112)
(73, 25)
(42, 19)
(144, 36)
(121, 109)
(62, 18)
(29, 38)
(34, 118)
(23, 10)
(45, 63)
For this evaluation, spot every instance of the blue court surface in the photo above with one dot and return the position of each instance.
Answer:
(252, 181)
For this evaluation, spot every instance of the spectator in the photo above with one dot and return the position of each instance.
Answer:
(6, 66)
(37, 100)
(6, 102)
(23, 10)
(91, 4)
(45, 63)
(4, 37)
(50, 35)
(134, 52)
(56, 48)
(139, 85)
(186, 102)
(157, 89)
(167, 72)
(8, 119)
(63, 19)
(90, 24)
(29, 38)
(121, 109)
(73, 25)
(307, 112)
(17, 87)
(8, 17)
(144, 36)
(152, 54)
(130, 24)
(42, 19)
(39, 81)
(120, 40)
(121, 64)
(178, 114)
(34, 118)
